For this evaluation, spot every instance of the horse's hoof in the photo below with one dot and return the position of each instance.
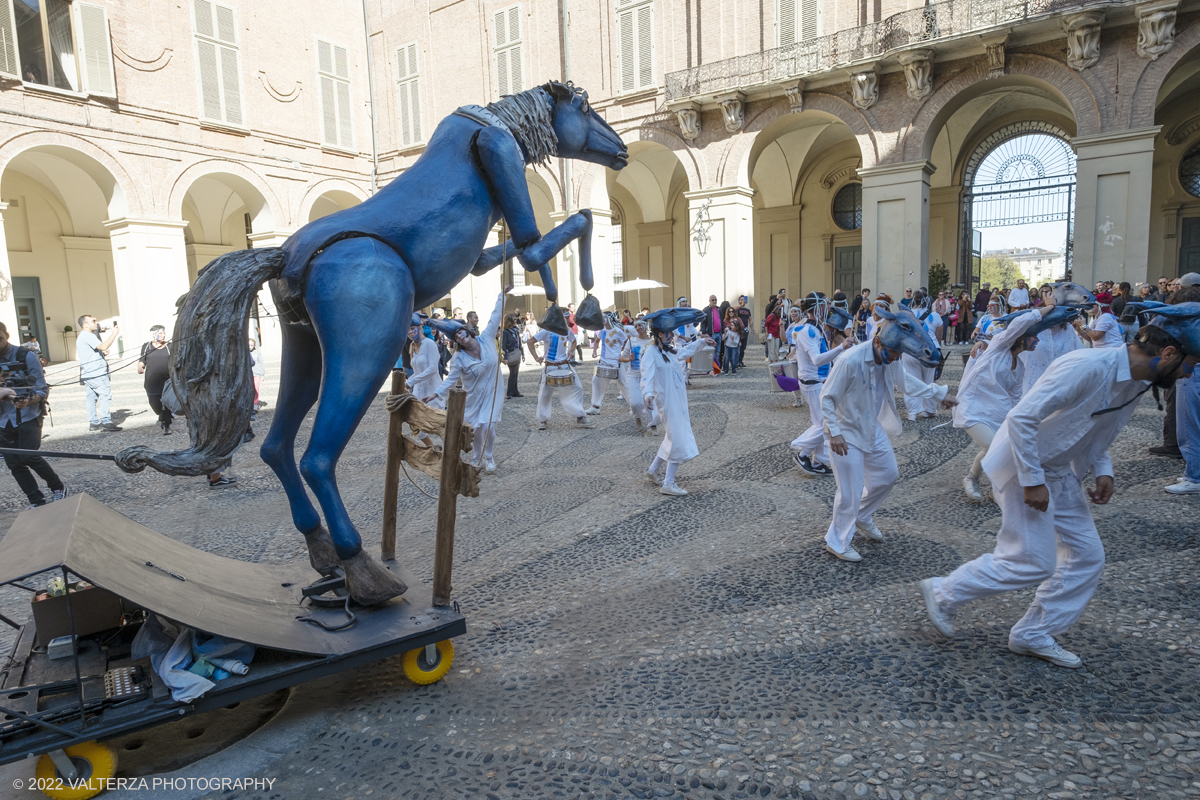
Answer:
(370, 583)
(321, 554)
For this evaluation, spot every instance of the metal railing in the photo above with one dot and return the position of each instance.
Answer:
(906, 29)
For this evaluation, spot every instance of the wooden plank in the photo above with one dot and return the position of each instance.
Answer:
(391, 475)
(443, 551)
(433, 421)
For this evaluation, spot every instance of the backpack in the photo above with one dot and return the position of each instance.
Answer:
(170, 400)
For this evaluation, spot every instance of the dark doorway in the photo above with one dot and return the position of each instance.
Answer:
(1189, 246)
(847, 270)
(27, 296)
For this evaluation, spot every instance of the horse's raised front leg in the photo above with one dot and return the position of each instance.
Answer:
(504, 169)
(359, 297)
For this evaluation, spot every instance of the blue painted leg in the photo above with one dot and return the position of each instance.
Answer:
(299, 384)
(359, 297)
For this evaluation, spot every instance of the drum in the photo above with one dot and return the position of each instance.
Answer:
(559, 375)
(607, 372)
(787, 368)
(702, 361)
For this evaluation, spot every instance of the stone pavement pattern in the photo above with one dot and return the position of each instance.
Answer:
(626, 644)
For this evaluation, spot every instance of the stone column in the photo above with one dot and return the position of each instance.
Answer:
(727, 267)
(151, 270)
(8, 306)
(1112, 206)
(895, 229)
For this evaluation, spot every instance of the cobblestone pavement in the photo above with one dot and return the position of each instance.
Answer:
(626, 644)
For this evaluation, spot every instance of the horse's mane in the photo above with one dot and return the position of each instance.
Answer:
(527, 117)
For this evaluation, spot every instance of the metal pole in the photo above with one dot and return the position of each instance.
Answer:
(371, 99)
(565, 164)
(74, 649)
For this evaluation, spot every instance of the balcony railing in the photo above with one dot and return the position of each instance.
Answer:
(906, 29)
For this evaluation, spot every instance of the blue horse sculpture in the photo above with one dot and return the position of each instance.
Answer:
(346, 286)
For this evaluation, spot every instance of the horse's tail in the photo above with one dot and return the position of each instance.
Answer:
(210, 363)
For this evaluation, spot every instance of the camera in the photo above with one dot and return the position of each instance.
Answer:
(15, 375)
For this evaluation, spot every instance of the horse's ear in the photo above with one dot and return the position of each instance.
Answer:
(885, 313)
(559, 91)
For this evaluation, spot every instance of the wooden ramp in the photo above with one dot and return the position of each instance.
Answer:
(255, 603)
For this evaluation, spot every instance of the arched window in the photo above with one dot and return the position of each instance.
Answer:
(1189, 171)
(847, 207)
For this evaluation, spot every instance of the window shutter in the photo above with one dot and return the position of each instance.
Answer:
(515, 79)
(231, 85)
(333, 75)
(500, 28)
(329, 110)
(406, 132)
(786, 23)
(408, 94)
(226, 28)
(809, 18)
(506, 25)
(210, 79)
(95, 50)
(325, 57)
(10, 66)
(645, 45)
(628, 57)
(345, 120)
(204, 20)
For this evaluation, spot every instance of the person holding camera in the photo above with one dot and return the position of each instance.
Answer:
(93, 371)
(22, 400)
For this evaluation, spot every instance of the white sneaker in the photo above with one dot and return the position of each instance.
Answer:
(654, 430)
(490, 467)
(1184, 486)
(58, 494)
(1052, 653)
(798, 404)
(940, 619)
(584, 422)
(593, 410)
(971, 487)
(541, 426)
(672, 489)
(869, 530)
(654, 479)
(850, 555)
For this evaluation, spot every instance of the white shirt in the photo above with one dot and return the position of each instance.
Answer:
(850, 403)
(612, 342)
(1052, 430)
(1018, 297)
(813, 354)
(558, 348)
(990, 386)
(1114, 334)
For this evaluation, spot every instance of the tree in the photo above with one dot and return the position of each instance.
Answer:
(939, 278)
(1000, 272)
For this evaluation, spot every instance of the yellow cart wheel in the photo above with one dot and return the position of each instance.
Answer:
(95, 764)
(420, 671)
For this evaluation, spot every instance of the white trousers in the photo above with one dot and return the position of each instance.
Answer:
(983, 435)
(571, 398)
(631, 384)
(599, 387)
(916, 405)
(864, 480)
(484, 441)
(812, 441)
(1058, 550)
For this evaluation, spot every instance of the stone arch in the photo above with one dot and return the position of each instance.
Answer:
(326, 186)
(1155, 73)
(737, 154)
(267, 216)
(548, 179)
(688, 156)
(1022, 70)
(119, 188)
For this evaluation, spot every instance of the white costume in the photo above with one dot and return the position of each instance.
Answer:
(813, 358)
(663, 381)
(1053, 343)
(913, 404)
(859, 404)
(1114, 334)
(559, 351)
(631, 381)
(991, 386)
(481, 379)
(612, 342)
(1052, 437)
(425, 379)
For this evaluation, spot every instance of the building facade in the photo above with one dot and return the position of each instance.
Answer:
(1037, 264)
(814, 145)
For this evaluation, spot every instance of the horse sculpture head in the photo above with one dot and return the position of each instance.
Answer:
(1181, 321)
(904, 333)
(582, 133)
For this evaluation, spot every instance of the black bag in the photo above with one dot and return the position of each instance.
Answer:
(588, 315)
(554, 321)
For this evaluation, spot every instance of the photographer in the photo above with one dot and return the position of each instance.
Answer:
(22, 398)
(93, 371)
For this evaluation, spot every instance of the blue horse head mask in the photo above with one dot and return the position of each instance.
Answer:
(1181, 321)
(903, 332)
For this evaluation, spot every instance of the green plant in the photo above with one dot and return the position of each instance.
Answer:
(939, 277)
(67, 329)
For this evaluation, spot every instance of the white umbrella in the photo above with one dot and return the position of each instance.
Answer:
(636, 285)
(528, 290)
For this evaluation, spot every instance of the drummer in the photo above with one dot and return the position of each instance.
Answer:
(631, 377)
(558, 374)
(612, 340)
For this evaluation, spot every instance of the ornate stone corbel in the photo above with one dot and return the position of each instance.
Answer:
(795, 96)
(688, 114)
(1156, 28)
(918, 73)
(1083, 38)
(864, 87)
(994, 48)
(732, 110)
